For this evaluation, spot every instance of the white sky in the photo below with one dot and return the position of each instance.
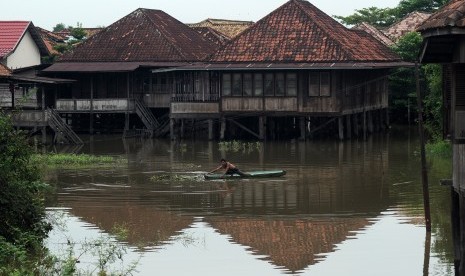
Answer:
(93, 13)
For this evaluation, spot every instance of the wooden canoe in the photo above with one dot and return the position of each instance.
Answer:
(254, 174)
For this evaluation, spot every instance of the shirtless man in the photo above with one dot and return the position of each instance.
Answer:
(229, 169)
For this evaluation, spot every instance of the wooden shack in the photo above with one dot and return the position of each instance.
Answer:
(115, 89)
(444, 42)
(295, 73)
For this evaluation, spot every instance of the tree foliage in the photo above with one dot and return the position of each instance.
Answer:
(59, 27)
(383, 17)
(22, 227)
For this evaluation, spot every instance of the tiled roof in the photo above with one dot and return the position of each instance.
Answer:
(291, 244)
(299, 32)
(50, 39)
(4, 71)
(212, 35)
(372, 30)
(451, 15)
(229, 28)
(89, 32)
(408, 24)
(10, 34)
(143, 35)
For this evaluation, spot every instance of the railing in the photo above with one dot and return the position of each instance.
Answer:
(62, 130)
(84, 105)
(195, 97)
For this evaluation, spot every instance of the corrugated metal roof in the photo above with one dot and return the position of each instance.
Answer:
(143, 35)
(451, 15)
(299, 32)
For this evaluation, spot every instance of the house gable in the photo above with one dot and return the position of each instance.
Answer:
(299, 32)
(144, 35)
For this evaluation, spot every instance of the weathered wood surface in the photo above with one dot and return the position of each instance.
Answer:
(98, 105)
(459, 167)
(157, 100)
(281, 104)
(30, 118)
(200, 108)
(242, 104)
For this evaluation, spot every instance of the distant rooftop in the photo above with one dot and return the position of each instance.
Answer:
(229, 28)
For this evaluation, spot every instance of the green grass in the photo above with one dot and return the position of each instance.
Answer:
(440, 148)
(71, 160)
(239, 146)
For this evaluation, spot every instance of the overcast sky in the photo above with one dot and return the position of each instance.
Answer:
(93, 13)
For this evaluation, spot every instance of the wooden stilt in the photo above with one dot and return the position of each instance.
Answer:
(364, 122)
(370, 121)
(172, 134)
(182, 130)
(262, 128)
(210, 129)
(223, 128)
(355, 123)
(348, 126)
(341, 127)
(91, 114)
(303, 129)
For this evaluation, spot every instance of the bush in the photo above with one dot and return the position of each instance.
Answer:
(22, 216)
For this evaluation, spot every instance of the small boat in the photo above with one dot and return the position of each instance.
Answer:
(254, 174)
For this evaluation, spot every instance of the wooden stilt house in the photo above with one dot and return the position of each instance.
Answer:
(113, 73)
(444, 43)
(295, 73)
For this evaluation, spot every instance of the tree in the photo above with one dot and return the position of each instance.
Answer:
(379, 17)
(78, 32)
(23, 226)
(383, 17)
(59, 27)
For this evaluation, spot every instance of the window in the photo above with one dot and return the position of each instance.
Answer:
(291, 84)
(258, 84)
(237, 85)
(269, 84)
(319, 84)
(226, 84)
(247, 84)
(280, 85)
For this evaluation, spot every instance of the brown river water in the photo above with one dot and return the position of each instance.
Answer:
(343, 208)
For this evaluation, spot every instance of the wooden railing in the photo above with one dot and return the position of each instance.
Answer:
(102, 105)
(195, 97)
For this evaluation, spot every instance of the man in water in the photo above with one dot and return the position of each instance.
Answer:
(229, 168)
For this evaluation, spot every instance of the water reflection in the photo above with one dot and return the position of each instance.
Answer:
(338, 200)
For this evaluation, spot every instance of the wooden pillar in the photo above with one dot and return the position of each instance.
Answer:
(370, 121)
(182, 129)
(303, 129)
(44, 130)
(387, 118)
(341, 127)
(364, 121)
(348, 126)
(172, 134)
(262, 128)
(355, 123)
(91, 114)
(126, 115)
(223, 128)
(210, 129)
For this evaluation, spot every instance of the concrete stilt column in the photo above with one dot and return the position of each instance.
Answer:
(210, 129)
(348, 126)
(303, 129)
(262, 128)
(223, 128)
(341, 127)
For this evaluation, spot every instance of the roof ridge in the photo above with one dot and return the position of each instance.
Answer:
(330, 34)
(165, 37)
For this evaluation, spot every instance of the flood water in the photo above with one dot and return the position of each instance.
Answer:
(344, 208)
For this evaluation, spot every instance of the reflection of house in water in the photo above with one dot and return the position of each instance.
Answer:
(291, 244)
(444, 42)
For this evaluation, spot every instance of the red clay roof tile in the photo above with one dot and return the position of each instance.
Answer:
(10, 34)
(143, 35)
(451, 15)
(299, 32)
